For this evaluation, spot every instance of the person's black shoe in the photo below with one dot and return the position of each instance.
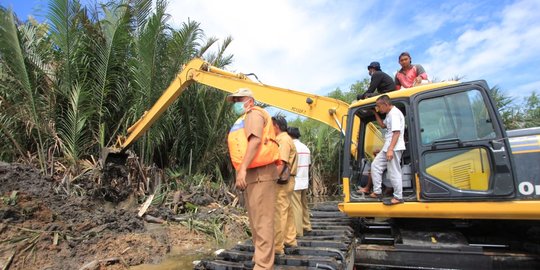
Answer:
(290, 245)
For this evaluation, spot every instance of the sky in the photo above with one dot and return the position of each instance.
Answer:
(319, 45)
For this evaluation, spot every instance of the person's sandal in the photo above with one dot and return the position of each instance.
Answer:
(393, 201)
(363, 190)
(375, 196)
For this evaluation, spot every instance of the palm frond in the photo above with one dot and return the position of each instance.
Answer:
(12, 53)
(113, 49)
(62, 15)
(208, 44)
(72, 128)
(23, 88)
(185, 43)
(141, 11)
(10, 146)
(148, 76)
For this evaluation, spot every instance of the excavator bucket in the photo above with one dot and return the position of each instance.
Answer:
(113, 155)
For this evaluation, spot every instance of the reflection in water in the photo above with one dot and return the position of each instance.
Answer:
(177, 260)
(180, 259)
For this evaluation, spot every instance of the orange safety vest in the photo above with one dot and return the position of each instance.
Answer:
(237, 140)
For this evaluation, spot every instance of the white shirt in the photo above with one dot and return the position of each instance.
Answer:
(304, 160)
(394, 121)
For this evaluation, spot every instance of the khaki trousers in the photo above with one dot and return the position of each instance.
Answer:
(301, 212)
(285, 230)
(259, 196)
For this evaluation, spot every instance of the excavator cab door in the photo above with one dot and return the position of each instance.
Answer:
(462, 150)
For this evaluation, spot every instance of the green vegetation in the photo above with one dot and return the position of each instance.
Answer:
(515, 115)
(70, 87)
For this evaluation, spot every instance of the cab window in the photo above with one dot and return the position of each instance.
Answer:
(462, 116)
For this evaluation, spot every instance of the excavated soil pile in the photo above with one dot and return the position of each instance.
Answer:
(42, 227)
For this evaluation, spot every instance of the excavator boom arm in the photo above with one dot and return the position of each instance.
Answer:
(324, 109)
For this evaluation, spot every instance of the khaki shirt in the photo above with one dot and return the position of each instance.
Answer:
(287, 151)
(253, 126)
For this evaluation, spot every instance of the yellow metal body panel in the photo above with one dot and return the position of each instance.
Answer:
(346, 188)
(417, 182)
(468, 171)
(373, 141)
(405, 93)
(525, 210)
(324, 109)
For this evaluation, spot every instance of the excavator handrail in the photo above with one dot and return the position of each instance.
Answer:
(324, 109)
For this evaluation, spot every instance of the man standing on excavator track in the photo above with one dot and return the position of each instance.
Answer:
(254, 152)
(285, 229)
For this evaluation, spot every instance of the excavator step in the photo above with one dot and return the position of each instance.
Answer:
(380, 239)
(342, 238)
(318, 243)
(317, 251)
(319, 222)
(332, 227)
(326, 214)
(309, 261)
(379, 227)
(329, 232)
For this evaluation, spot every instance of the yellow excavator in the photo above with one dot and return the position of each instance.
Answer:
(471, 189)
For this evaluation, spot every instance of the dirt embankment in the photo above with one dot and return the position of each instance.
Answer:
(42, 227)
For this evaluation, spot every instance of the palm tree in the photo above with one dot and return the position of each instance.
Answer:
(24, 91)
(73, 85)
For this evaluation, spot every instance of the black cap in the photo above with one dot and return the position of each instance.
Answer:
(374, 65)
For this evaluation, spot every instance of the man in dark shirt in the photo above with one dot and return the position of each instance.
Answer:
(380, 81)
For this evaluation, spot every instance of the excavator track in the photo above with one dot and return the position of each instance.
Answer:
(330, 245)
(429, 244)
(340, 242)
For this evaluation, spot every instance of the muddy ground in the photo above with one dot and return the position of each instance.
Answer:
(45, 226)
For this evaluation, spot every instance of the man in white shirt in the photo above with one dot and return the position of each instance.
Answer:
(299, 198)
(389, 157)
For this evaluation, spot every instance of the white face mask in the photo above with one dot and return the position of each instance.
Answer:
(238, 107)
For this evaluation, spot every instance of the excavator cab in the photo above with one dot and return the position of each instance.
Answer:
(457, 154)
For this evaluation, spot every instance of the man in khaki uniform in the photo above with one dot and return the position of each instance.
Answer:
(259, 183)
(285, 229)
